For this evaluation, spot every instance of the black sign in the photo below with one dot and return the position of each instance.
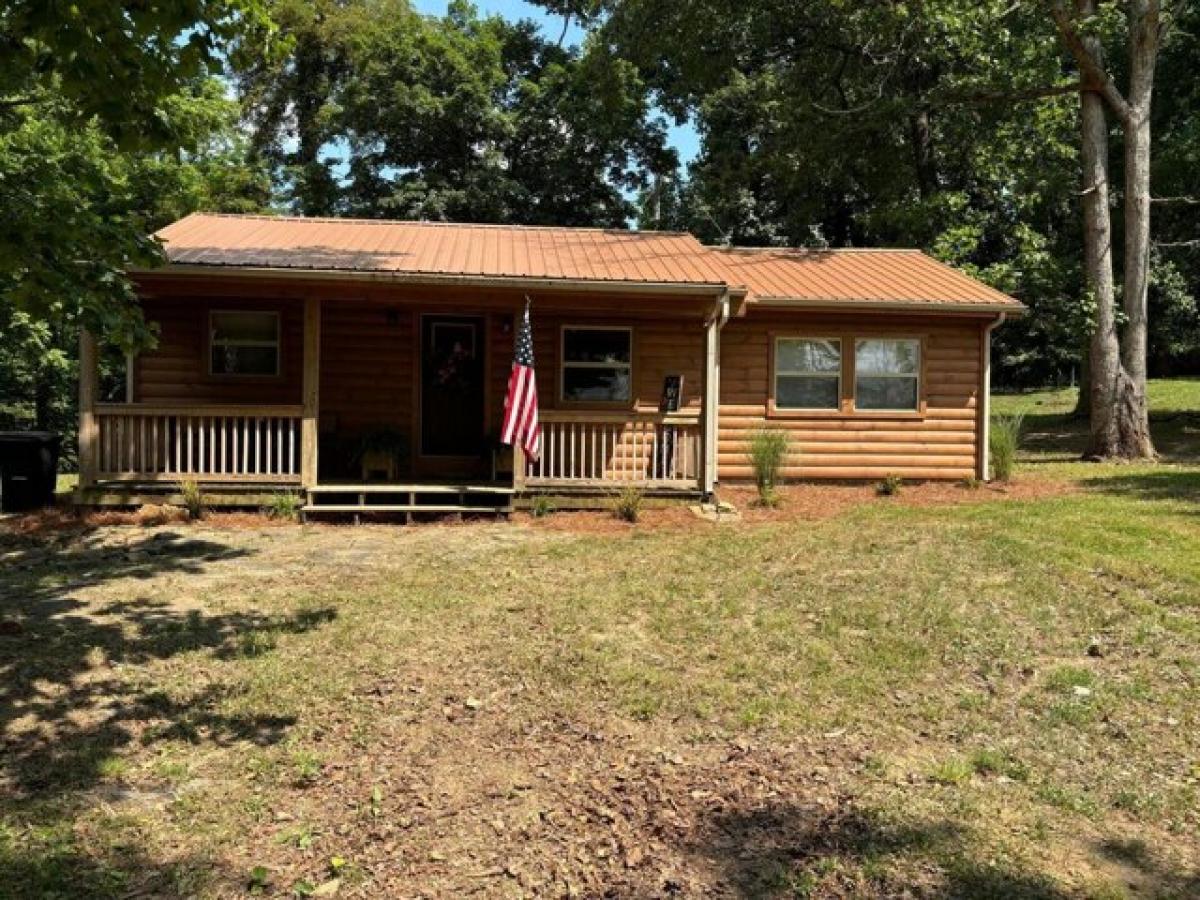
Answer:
(672, 394)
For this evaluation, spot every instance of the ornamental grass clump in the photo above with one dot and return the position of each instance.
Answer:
(627, 506)
(542, 506)
(768, 450)
(284, 505)
(890, 486)
(1004, 442)
(193, 499)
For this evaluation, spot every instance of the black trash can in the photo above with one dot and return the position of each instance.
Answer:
(28, 469)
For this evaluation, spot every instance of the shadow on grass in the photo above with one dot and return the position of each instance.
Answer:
(1054, 437)
(68, 701)
(1136, 856)
(1165, 484)
(125, 872)
(1053, 434)
(791, 850)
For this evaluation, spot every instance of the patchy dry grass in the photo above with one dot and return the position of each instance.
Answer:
(958, 693)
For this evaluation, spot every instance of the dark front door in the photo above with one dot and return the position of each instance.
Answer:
(452, 386)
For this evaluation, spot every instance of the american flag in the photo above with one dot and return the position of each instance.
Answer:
(521, 405)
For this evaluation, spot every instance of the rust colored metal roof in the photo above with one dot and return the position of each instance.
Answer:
(855, 276)
(427, 248)
(769, 276)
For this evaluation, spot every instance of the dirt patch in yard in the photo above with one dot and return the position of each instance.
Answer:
(554, 808)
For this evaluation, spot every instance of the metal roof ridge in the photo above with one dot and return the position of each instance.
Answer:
(427, 223)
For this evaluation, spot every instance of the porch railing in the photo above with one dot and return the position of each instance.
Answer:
(597, 449)
(142, 442)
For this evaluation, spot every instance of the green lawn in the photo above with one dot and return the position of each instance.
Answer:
(1053, 435)
(950, 693)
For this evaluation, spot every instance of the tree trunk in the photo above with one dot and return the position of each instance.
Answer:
(43, 397)
(1132, 412)
(1083, 403)
(924, 161)
(1104, 356)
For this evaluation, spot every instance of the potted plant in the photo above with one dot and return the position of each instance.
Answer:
(382, 453)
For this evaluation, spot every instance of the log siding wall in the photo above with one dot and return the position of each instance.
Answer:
(938, 442)
(369, 368)
(176, 371)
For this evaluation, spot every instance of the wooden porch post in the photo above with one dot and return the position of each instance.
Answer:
(311, 391)
(983, 426)
(712, 390)
(89, 392)
(518, 468)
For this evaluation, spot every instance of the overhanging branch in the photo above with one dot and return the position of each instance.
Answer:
(1094, 75)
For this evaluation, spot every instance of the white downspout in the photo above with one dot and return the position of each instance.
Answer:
(985, 426)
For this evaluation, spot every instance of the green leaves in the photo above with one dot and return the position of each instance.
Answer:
(113, 61)
(378, 111)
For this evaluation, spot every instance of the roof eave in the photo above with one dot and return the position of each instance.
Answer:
(706, 289)
(1012, 308)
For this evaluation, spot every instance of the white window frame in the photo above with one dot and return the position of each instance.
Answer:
(564, 364)
(213, 343)
(807, 373)
(914, 377)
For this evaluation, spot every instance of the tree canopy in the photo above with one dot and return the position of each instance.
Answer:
(378, 111)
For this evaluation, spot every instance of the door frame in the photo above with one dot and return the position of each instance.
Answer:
(482, 322)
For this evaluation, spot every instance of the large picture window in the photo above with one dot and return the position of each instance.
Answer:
(597, 364)
(808, 373)
(887, 374)
(244, 343)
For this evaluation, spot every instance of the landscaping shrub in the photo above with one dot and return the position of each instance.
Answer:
(628, 504)
(890, 486)
(193, 499)
(541, 506)
(284, 505)
(768, 450)
(1004, 440)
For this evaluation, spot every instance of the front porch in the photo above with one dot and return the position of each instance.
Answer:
(378, 426)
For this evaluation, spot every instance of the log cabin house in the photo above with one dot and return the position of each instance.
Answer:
(366, 362)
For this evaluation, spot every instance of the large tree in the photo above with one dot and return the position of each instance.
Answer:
(379, 111)
(87, 90)
(1119, 412)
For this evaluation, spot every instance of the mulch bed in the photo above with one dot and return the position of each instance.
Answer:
(814, 501)
(805, 502)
